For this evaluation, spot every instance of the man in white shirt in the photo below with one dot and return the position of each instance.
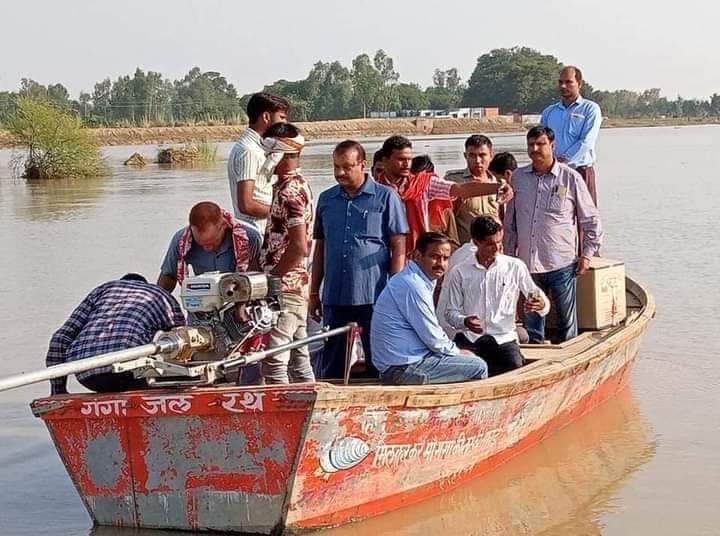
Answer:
(459, 256)
(482, 297)
(249, 171)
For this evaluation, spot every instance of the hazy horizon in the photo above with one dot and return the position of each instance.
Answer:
(619, 45)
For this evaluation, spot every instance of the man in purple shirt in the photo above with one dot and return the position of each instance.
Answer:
(541, 228)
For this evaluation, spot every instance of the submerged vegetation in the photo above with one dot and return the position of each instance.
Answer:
(195, 152)
(53, 142)
(208, 151)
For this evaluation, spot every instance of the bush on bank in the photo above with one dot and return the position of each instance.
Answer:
(53, 141)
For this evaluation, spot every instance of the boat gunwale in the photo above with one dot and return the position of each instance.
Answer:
(540, 373)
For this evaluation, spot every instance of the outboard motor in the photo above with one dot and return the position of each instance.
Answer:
(237, 308)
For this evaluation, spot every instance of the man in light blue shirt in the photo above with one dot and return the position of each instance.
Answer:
(576, 123)
(409, 346)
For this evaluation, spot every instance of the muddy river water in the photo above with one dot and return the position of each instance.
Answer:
(647, 462)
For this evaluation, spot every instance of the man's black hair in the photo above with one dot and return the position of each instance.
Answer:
(422, 162)
(427, 239)
(536, 132)
(133, 277)
(501, 162)
(395, 143)
(478, 140)
(377, 156)
(484, 226)
(576, 70)
(260, 103)
(350, 145)
(281, 130)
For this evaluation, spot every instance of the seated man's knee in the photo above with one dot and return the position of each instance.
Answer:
(478, 368)
(482, 370)
(523, 336)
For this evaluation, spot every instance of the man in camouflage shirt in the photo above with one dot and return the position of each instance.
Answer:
(284, 254)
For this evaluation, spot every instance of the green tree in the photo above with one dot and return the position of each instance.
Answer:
(387, 98)
(7, 105)
(58, 94)
(295, 92)
(619, 103)
(412, 97)
(55, 144)
(447, 89)
(366, 83)
(84, 106)
(55, 92)
(334, 92)
(715, 105)
(515, 79)
(101, 101)
(122, 101)
(206, 96)
(326, 93)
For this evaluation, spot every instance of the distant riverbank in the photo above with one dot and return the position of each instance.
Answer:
(347, 128)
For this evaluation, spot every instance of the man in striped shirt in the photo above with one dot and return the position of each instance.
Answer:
(115, 316)
(416, 191)
(249, 171)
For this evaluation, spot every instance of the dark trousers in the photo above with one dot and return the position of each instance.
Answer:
(588, 175)
(499, 357)
(111, 382)
(333, 358)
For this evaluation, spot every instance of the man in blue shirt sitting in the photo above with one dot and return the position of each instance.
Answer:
(576, 124)
(359, 235)
(409, 346)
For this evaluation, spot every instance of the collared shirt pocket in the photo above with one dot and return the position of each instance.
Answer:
(575, 123)
(372, 220)
(557, 198)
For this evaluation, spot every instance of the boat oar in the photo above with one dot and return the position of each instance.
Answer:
(233, 361)
(164, 344)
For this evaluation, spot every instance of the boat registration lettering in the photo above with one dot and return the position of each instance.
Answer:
(241, 402)
(103, 408)
(386, 455)
(166, 404)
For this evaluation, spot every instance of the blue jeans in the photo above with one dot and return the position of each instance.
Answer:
(436, 368)
(560, 286)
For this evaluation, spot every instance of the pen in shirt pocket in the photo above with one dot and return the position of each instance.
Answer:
(365, 213)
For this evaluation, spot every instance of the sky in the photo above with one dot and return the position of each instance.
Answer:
(619, 44)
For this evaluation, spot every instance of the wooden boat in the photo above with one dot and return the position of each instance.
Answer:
(291, 458)
(561, 486)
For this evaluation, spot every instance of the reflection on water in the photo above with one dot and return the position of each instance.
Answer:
(60, 199)
(560, 486)
(606, 473)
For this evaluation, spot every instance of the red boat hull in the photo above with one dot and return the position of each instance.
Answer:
(268, 459)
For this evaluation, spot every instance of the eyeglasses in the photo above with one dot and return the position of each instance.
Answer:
(348, 167)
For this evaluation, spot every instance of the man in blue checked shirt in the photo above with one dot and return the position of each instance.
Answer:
(115, 316)
(576, 124)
